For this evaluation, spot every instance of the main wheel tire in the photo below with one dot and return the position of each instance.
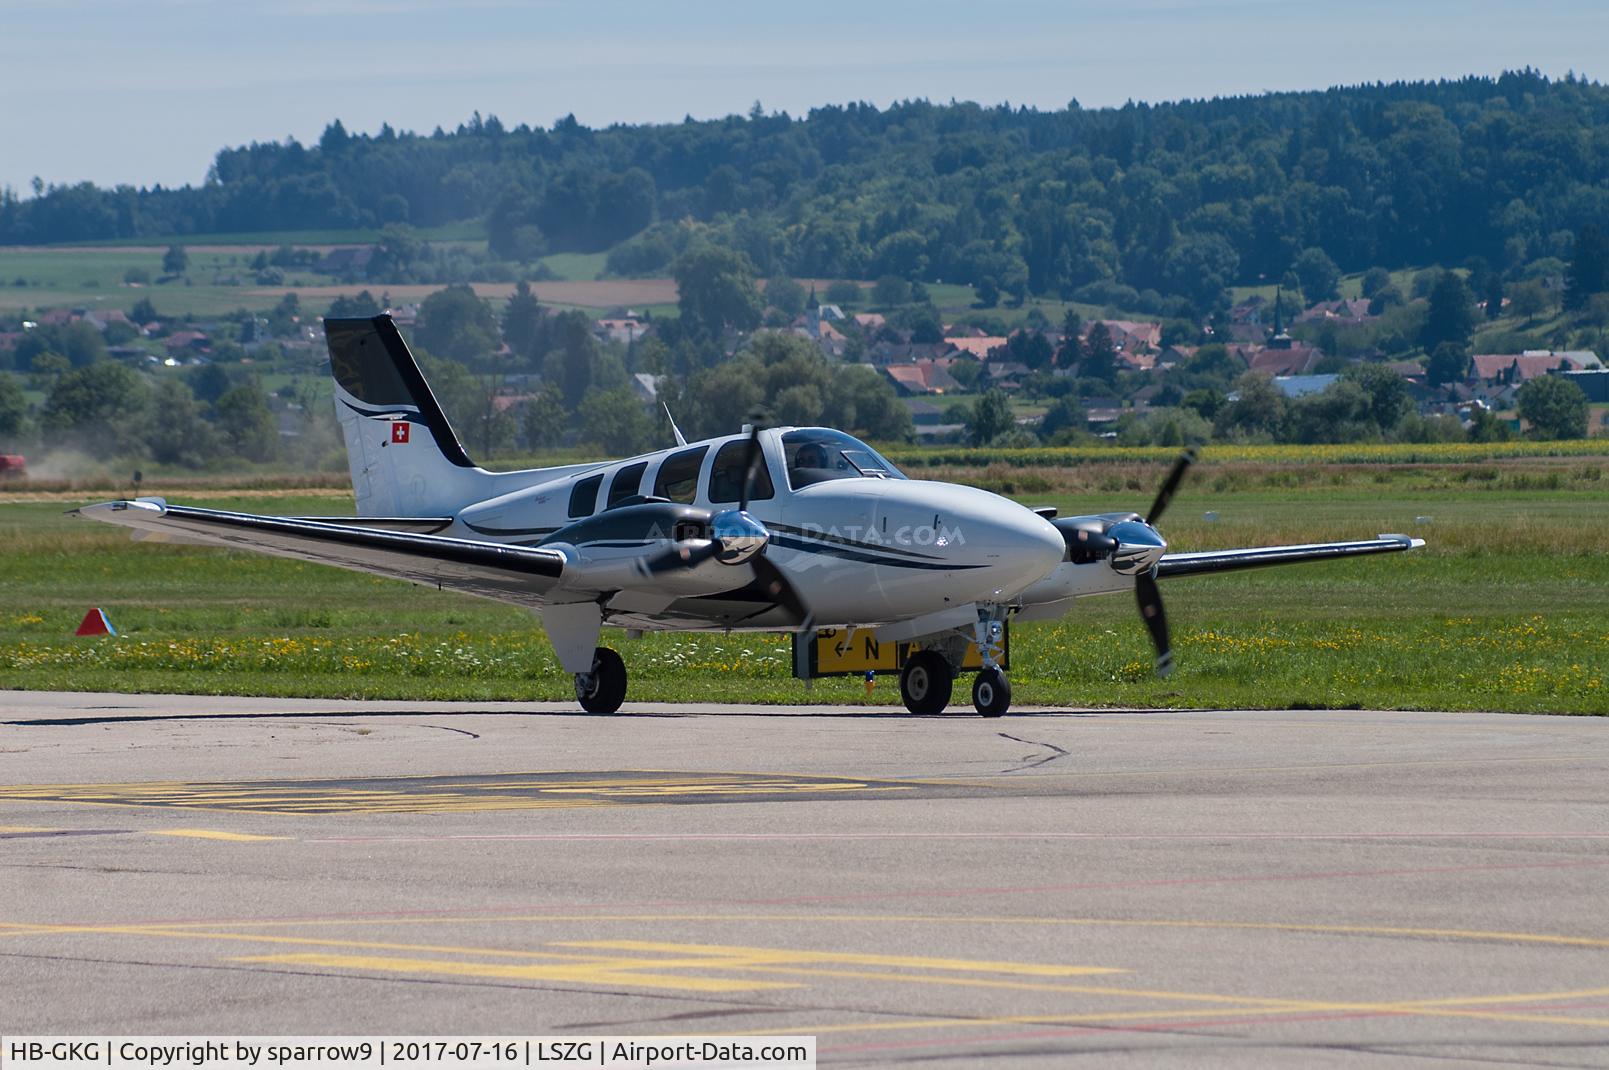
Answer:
(604, 688)
(991, 693)
(925, 683)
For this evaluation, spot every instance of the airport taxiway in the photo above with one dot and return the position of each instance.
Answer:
(1271, 888)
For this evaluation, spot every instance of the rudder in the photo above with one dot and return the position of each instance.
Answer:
(405, 458)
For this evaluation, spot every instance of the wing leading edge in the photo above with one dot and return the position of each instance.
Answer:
(1196, 564)
(517, 574)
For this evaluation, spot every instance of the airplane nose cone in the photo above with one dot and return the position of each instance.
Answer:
(1015, 546)
(1030, 546)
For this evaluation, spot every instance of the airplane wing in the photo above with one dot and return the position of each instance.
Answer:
(518, 574)
(1195, 564)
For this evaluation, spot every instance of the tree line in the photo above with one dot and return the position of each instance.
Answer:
(1143, 206)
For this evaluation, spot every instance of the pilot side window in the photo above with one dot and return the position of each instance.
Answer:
(678, 475)
(584, 496)
(627, 482)
(817, 454)
(727, 475)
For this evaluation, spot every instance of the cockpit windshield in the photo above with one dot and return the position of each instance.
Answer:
(817, 454)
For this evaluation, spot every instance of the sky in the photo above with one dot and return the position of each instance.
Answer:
(144, 93)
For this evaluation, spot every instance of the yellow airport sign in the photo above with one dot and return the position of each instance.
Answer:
(857, 651)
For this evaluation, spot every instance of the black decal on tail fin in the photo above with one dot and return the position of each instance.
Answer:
(371, 363)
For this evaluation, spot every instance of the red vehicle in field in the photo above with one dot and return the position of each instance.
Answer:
(13, 464)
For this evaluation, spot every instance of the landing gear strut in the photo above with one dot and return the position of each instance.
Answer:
(925, 682)
(604, 688)
(991, 691)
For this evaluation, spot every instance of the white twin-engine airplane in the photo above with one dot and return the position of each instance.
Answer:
(773, 529)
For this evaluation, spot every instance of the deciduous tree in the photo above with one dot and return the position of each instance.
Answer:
(1554, 407)
(990, 418)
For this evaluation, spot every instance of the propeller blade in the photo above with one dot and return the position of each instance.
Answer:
(777, 587)
(1156, 621)
(1170, 484)
(682, 555)
(751, 466)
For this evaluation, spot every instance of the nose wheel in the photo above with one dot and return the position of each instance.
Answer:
(604, 688)
(991, 693)
(925, 683)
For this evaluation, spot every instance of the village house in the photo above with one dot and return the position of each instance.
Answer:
(978, 347)
(922, 377)
(1250, 310)
(1130, 337)
(187, 343)
(1348, 311)
(1291, 358)
(625, 330)
(1516, 369)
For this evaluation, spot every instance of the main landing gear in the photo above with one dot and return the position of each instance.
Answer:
(925, 683)
(604, 688)
(929, 675)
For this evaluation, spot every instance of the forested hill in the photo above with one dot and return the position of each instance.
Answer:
(1180, 198)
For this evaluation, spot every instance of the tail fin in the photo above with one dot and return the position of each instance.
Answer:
(405, 459)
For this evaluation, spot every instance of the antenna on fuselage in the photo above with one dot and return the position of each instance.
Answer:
(680, 441)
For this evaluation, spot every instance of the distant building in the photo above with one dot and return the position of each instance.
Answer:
(1511, 368)
(1351, 310)
(645, 387)
(625, 330)
(979, 346)
(922, 377)
(1297, 359)
(1296, 386)
(1594, 382)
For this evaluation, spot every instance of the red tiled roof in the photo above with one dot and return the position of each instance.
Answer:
(1492, 366)
(1297, 360)
(978, 347)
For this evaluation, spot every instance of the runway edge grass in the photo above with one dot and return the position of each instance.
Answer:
(1503, 611)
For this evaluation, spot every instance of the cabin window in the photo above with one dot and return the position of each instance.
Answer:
(727, 475)
(626, 483)
(678, 475)
(584, 496)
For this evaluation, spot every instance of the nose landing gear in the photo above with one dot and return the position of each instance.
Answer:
(604, 688)
(991, 692)
(929, 674)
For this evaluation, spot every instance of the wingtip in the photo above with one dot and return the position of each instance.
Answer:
(99, 510)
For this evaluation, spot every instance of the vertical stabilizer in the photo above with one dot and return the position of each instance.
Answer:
(405, 459)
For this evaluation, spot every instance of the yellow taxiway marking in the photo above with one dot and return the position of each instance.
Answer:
(650, 972)
(210, 834)
(721, 954)
(637, 975)
(519, 791)
(1497, 936)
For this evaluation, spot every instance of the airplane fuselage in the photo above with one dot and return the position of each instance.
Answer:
(870, 548)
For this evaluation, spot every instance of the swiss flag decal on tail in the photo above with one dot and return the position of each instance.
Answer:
(399, 431)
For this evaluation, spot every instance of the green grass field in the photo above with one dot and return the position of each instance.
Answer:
(1504, 610)
(576, 267)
